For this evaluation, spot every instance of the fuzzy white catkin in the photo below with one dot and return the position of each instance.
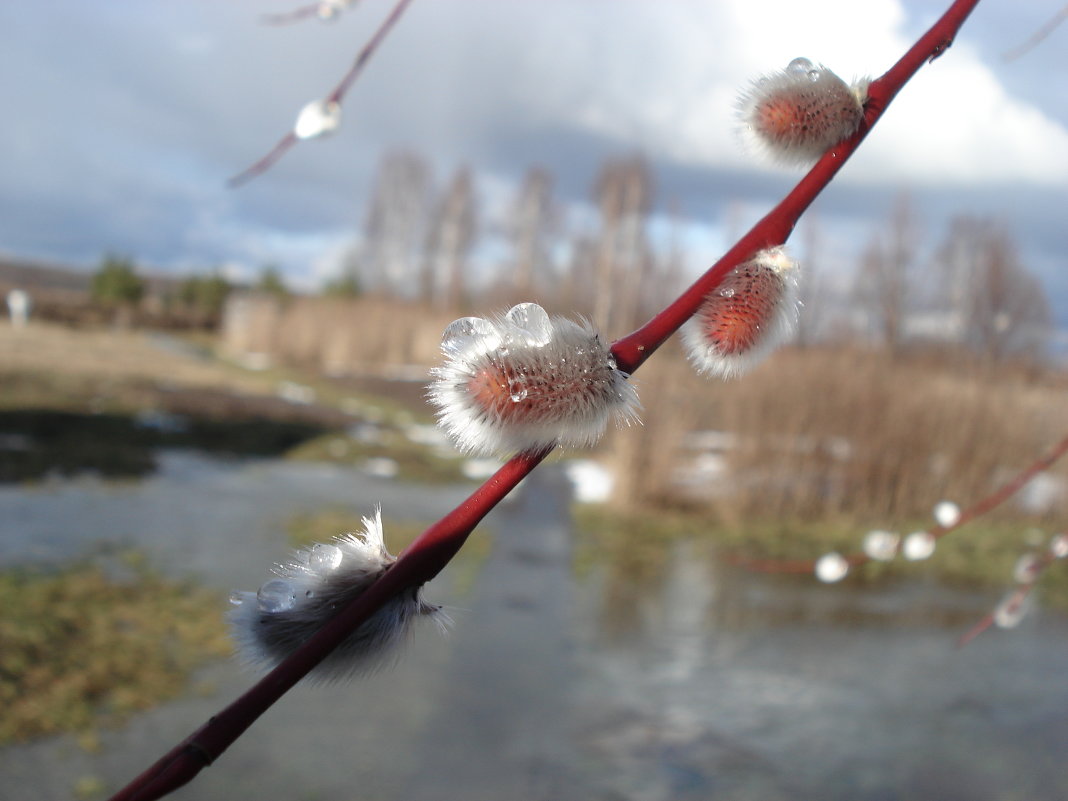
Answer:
(752, 311)
(268, 625)
(522, 381)
(801, 112)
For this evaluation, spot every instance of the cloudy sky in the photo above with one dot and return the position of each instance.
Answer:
(124, 118)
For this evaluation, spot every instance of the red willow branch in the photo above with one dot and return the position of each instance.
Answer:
(297, 14)
(335, 96)
(429, 554)
(775, 228)
(1019, 595)
(1037, 37)
(978, 509)
(415, 566)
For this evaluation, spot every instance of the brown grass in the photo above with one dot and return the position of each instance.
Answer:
(856, 435)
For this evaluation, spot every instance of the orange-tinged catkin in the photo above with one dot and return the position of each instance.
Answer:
(752, 311)
(798, 114)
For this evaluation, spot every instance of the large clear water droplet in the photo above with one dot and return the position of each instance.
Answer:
(918, 545)
(532, 324)
(469, 332)
(318, 118)
(881, 545)
(323, 557)
(276, 595)
(517, 389)
(800, 66)
(1012, 609)
(831, 567)
(946, 513)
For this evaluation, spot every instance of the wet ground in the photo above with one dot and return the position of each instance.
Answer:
(694, 682)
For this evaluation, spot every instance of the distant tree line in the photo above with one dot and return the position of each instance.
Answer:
(415, 243)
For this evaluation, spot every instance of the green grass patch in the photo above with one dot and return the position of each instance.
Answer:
(980, 554)
(87, 646)
(415, 461)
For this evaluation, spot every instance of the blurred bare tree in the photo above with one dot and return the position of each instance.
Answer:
(395, 224)
(532, 225)
(623, 193)
(883, 291)
(450, 237)
(1001, 309)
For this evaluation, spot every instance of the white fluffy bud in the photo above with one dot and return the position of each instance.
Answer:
(524, 381)
(798, 114)
(751, 312)
(270, 624)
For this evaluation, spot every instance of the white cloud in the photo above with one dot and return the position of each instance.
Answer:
(668, 75)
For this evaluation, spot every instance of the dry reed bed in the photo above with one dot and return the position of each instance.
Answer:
(843, 433)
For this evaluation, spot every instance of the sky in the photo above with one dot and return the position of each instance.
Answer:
(123, 120)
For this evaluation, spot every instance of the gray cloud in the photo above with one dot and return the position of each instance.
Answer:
(125, 120)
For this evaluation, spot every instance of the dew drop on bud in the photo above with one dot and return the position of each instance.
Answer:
(1058, 546)
(918, 545)
(276, 595)
(881, 545)
(467, 333)
(532, 324)
(517, 390)
(1027, 569)
(946, 513)
(831, 567)
(1012, 609)
(798, 114)
(323, 557)
(318, 118)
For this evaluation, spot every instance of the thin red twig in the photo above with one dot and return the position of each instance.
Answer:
(978, 509)
(425, 557)
(297, 14)
(415, 566)
(1019, 595)
(1036, 38)
(336, 96)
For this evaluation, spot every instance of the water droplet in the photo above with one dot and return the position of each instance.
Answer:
(469, 332)
(831, 567)
(237, 598)
(946, 513)
(532, 322)
(517, 389)
(800, 66)
(318, 118)
(918, 545)
(276, 595)
(1012, 609)
(814, 75)
(323, 557)
(1058, 546)
(1027, 569)
(727, 293)
(881, 545)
